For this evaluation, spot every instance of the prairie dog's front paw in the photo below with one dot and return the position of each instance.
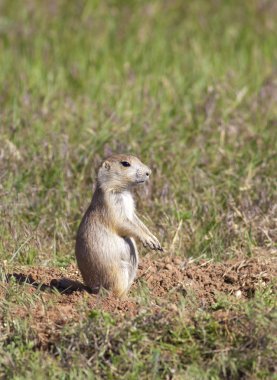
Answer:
(152, 242)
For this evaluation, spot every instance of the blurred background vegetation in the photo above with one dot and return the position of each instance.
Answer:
(189, 87)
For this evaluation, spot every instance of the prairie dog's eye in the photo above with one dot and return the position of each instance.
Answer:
(125, 163)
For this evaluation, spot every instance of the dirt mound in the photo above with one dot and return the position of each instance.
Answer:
(206, 279)
(63, 297)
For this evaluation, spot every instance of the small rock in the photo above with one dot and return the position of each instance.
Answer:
(178, 261)
(238, 294)
(230, 278)
(173, 307)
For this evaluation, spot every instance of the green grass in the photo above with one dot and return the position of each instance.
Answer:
(190, 88)
(151, 346)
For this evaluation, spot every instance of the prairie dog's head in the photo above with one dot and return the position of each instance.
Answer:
(120, 172)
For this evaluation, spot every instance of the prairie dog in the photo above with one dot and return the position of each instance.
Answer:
(106, 252)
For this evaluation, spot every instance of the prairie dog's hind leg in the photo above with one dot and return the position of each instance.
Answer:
(126, 269)
(120, 281)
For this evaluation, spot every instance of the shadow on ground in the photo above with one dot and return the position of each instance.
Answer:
(62, 285)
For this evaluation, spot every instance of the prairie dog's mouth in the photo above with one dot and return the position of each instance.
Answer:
(140, 180)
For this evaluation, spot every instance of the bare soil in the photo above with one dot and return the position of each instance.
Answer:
(62, 298)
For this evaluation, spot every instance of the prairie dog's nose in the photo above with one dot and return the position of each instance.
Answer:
(148, 172)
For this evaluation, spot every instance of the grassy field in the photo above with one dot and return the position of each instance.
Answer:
(188, 86)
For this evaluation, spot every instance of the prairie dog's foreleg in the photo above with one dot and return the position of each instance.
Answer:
(148, 233)
(143, 227)
(136, 229)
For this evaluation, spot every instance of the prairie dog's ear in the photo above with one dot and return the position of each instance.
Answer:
(106, 165)
(103, 171)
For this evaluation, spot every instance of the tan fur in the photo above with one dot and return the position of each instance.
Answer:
(105, 248)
